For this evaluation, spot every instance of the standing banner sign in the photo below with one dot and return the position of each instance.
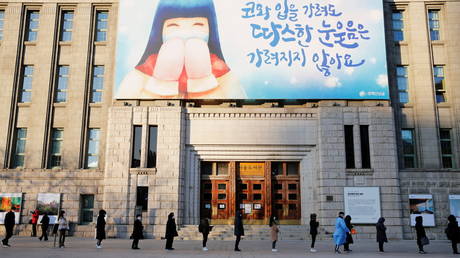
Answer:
(454, 203)
(7, 201)
(49, 203)
(362, 204)
(422, 205)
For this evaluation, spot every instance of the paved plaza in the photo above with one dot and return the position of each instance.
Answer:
(76, 247)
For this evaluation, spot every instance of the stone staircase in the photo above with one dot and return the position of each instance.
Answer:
(252, 232)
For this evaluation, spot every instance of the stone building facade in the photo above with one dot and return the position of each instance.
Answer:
(309, 133)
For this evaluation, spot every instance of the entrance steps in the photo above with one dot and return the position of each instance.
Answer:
(251, 232)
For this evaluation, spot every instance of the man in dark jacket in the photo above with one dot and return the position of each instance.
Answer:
(381, 233)
(204, 228)
(9, 221)
(238, 230)
(421, 234)
(171, 231)
(453, 233)
(45, 221)
(138, 229)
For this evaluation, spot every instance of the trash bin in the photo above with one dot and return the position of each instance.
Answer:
(72, 228)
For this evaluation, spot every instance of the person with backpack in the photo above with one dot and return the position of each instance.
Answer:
(204, 228)
(453, 233)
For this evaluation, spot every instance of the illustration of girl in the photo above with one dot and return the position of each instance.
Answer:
(183, 58)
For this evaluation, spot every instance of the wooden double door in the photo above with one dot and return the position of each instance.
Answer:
(215, 199)
(257, 196)
(251, 198)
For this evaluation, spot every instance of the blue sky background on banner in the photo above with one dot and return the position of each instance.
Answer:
(270, 81)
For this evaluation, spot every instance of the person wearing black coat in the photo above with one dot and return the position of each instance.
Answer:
(138, 232)
(9, 221)
(45, 221)
(313, 231)
(171, 231)
(453, 233)
(204, 229)
(381, 233)
(238, 230)
(420, 230)
(346, 246)
(100, 228)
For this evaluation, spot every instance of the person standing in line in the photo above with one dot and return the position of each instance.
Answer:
(9, 221)
(421, 234)
(171, 231)
(340, 234)
(45, 221)
(238, 229)
(34, 222)
(313, 231)
(138, 232)
(204, 228)
(62, 228)
(274, 232)
(100, 228)
(453, 233)
(381, 233)
(349, 240)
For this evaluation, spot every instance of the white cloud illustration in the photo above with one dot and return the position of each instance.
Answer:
(382, 80)
(349, 70)
(332, 82)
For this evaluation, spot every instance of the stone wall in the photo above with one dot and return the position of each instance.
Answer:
(334, 176)
(71, 185)
(440, 184)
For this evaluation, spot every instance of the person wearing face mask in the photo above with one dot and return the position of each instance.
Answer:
(313, 231)
(340, 233)
(171, 231)
(238, 229)
(274, 230)
(100, 228)
(421, 234)
(381, 233)
(183, 57)
(137, 234)
(204, 228)
(453, 232)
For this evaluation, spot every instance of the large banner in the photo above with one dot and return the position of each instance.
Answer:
(362, 204)
(50, 204)
(422, 205)
(7, 201)
(243, 49)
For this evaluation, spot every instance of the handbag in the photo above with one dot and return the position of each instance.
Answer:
(424, 240)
